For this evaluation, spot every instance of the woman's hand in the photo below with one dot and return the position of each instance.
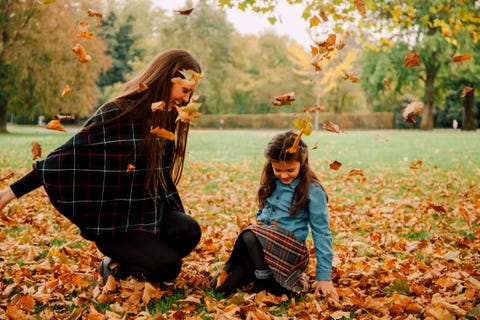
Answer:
(6, 195)
(326, 288)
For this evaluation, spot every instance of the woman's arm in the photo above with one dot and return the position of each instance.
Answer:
(6, 195)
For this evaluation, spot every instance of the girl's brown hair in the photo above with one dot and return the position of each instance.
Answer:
(276, 150)
(157, 76)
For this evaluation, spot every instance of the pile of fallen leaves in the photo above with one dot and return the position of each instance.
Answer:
(406, 247)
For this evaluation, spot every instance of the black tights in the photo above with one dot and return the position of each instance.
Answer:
(155, 258)
(247, 256)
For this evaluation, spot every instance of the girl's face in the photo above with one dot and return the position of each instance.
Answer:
(286, 171)
(181, 93)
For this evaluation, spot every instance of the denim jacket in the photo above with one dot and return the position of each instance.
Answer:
(315, 216)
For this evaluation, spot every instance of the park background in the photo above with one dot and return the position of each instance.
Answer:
(404, 202)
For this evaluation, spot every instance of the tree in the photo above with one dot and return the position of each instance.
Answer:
(428, 27)
(37, 61)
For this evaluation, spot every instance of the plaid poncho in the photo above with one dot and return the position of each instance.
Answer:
(87, 179)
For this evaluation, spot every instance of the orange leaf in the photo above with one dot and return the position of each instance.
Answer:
(412, 59)
(83, 26)
(323, 15)
(314, 21)
(221, 278)
(98, 15)
(158, 106)
(61, 117)
(462, 57)
(142, 87)
(386, 83)
(163, 133)
(332, 127)
(416, 165)
(335, 165)
(81, 53)
(361, 8)
(36, 150)
(355, 172)
(411, 110)
(55, 125)
(130, 167)
(351, 76)
(285, 99)
(465, 91)
(314, 108)
(66, 90)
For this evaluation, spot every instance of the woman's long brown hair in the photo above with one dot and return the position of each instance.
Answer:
(276, 150)
(157, 76)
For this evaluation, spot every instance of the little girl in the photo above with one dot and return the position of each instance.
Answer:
(272, 252)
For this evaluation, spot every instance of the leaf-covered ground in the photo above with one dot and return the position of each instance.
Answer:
(406, 246)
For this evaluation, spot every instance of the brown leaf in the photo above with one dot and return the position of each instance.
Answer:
(352, 76)
(79, 50)
(416, 164)
(332, 127)
(142, 87)
(98, 15)
(55, 125)
(163, 133)
(411, 110)
(355, 172)
(36, 150)
(184, 12)
(158, 106)
(335, 165)
(412, 59)
(387, 84)
(285, 99)
(361, 8)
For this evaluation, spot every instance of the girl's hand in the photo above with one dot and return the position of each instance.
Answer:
(6, 195)
(327, 289)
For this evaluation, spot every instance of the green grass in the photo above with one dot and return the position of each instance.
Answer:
(443, 149)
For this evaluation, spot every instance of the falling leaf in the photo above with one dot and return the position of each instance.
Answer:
(158, 106)
(315, 145)
(66, 90)
(191, 74)
(130, 167)
(355, 172)
(351, 76)
(335, 165)
(142, 87)
(63, 117)
(81, 53)
(360, 4)
(163, 133)
(323, 15)
(84, 33)
(332, 127)
(314, 108)
(36, 150)
(465, 91)
(285, 99)
(314, 21)
(462, 57)
(98, 15)
(411, 110)
(183, 82)
(184, 12)
(189, 112)
(412, 59)
(387, 84)
(55, 125)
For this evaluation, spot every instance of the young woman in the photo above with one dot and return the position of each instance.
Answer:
(117, 181)
(272, 252)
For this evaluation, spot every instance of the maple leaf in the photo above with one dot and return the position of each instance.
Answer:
(412, 59)
(36, 150)
(79, 50)
(189, 112)
(411, 110)
(284, 99)
(163, 133)
(84, 33)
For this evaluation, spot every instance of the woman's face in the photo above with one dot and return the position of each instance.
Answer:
(181, 93)
(286, 171)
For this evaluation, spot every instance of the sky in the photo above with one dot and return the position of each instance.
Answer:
(248, 22)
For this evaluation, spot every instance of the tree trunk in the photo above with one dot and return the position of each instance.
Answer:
(468, 114)
(427, 116)
(3, 115)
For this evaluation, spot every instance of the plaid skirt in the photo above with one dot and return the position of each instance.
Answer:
(286, 256)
